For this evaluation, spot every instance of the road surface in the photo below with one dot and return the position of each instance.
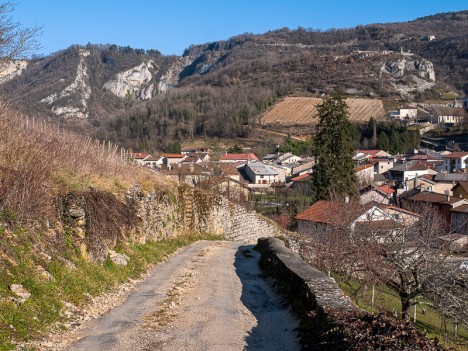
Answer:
(210, 296)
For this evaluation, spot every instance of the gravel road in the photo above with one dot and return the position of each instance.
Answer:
(211, 296)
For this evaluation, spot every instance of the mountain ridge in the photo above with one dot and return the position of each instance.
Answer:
(223, 86)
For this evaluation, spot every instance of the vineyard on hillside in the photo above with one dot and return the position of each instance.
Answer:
(302, 111)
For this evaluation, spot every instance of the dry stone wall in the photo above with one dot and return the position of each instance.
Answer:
(98, 221)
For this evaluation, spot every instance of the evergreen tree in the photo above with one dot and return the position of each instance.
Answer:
(333, 151)
(383, 142)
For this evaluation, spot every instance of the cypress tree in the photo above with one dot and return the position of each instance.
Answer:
(333, 150)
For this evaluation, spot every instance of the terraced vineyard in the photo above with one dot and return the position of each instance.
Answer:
(302, 111)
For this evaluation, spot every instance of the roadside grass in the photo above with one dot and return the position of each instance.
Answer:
(74, 281)
(429, 322)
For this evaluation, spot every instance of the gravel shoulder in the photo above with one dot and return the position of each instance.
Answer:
(210, 296)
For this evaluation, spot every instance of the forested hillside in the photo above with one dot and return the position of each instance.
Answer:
(145, 100)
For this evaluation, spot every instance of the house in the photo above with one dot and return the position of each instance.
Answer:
(372, 153)
(382, 165)
(188, 150)
(448, 115)
(140, 157)
(378, 194)
(426, 182)
(171, 159)
(446, 181)
(233, 158)
(404, 172)
(455, 161)
(459, 223)
(441, 202)
(288, 158)
(301, 184)
(226, 169)
(323, 216)
(196, 157)
(232, 189)
(460, 190)
(154, 161)
(261, 174)
(407, 112)
(190, 174)
(283, 172)
(364, 173)
(302, 168)
(434, 160)
(270, 158)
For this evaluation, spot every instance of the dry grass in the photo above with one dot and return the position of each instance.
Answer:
(38, 162)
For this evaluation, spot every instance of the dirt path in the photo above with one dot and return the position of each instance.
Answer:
(211, 296)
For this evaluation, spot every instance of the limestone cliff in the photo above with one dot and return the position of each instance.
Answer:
(65, 107)
(133, 83)
(171, 76)
(11, 69)
(409, 73)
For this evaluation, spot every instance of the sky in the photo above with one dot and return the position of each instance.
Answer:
(170, 26)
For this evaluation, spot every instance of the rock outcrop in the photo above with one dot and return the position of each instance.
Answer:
(11, 69)
(61, 103)
(172, 75)
(133, 83)
(409, 73)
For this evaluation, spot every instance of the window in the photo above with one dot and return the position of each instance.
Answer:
(261, 176)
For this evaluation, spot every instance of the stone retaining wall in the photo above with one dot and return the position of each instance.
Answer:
(157, 216)
(333, 321)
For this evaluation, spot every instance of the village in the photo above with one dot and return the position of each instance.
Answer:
(387, 185)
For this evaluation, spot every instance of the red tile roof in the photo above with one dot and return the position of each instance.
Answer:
(428, 177)
(386, 189)
(301, 177)
(372, 153)
(434, 198)
(457, 154)
(233, 157)
(140, 155)
(339, 213)
(322, 212)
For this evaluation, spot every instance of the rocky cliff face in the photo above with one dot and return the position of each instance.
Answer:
(11, 69)
(136, 82)
(72, 102)
(409, 73)
(171, 77)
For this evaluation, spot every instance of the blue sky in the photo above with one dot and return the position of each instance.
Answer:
(172, 25)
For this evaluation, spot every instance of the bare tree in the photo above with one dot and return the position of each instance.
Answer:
(15, 40)
(400, 253)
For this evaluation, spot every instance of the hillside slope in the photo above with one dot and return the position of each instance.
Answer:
(146, 100)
